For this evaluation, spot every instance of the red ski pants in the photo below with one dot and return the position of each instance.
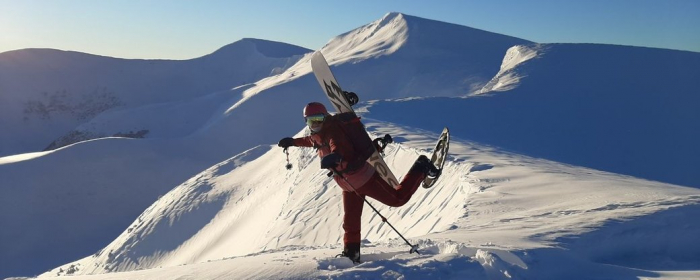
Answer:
(380, 190)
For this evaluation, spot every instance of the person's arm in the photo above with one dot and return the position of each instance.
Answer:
(296, 142)
(303, 142)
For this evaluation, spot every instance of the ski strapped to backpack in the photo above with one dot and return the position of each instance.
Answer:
(342, 101)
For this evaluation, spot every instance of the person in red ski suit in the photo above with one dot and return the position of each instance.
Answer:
(361, 179)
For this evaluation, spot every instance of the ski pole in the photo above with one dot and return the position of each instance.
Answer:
(414, 248)
(289, 165)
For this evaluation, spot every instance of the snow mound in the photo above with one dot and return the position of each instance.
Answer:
(510, 74)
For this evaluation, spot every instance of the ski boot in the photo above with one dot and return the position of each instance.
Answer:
(352, 252)
(428, 167)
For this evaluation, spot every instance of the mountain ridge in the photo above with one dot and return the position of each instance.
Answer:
(574, 97)
(56, 91)
(22, 53)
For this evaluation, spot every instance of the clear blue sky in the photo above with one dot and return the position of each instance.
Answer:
(178, 29)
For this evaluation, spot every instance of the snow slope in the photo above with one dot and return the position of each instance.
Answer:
(44, 93)
(621, 109)
(58, 191)
(413, 56)
(507, 213)
(493, 215)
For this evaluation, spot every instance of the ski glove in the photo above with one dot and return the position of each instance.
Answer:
(286, 142)
(330, 161)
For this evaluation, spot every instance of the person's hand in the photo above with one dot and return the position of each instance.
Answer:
(330, 161)
(286, 142)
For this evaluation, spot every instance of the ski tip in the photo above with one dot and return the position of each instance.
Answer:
(317, 54)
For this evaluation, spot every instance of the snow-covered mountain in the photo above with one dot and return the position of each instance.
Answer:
(626, 110)
(495, 214)
(407, 56)
(69, 183)
(45, 94)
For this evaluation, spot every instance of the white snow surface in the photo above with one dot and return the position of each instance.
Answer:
(493, 215)
(524, 194)
(508, 77)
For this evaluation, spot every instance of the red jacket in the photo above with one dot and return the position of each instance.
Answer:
(332, 140)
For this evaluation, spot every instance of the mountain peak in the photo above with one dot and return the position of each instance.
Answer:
(380, 37)
(397, 30)
(271, 49)
(388, 17)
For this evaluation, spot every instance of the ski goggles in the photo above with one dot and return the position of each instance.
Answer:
(310, 120)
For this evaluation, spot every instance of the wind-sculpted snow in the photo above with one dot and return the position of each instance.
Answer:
(493, 215)
(168, 225)
(268, 207)
(510, 74)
